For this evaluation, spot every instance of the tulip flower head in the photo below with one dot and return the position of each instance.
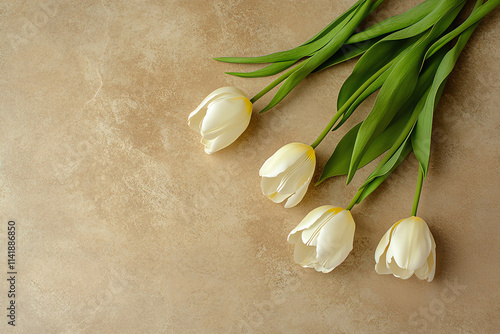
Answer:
(324, 238)
(287, 173)
(407, 248)
(221, 118)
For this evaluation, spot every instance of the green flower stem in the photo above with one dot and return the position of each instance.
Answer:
(416, 199)
(348, 103)
(355, 198)
(276, 82)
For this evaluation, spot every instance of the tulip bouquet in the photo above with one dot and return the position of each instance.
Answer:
(406, 59)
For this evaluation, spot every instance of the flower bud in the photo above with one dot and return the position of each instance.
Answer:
(324, 238)
(221, 118)
(287, 173)
(407, 248)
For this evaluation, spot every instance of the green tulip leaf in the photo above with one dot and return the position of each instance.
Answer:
(396, 22)
(308, 48)
(391, 166)
(347, 52)
(477, 14)
(421, 137)
(397, 89)
(338, 164)
(322, 55)
(269, 70)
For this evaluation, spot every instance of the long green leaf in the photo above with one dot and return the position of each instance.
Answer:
(269, 70)
(389, 48)
(396, 22)
(347, 52)
(421, 137)
(478, 13)
(304, 50)
(321, 56)
(370, 63)
(396, 90)
(377, 181)
(332, 24)
(338, 164)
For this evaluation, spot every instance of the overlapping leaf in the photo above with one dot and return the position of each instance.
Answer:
(338, 164)
(269, 70)
(308, 48)
(321, 56)
(397, 89)
(421, 138)
(396, 22)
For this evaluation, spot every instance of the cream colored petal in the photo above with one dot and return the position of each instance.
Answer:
(308, 221)
(298, 196)
(222, 115)
(278, 198)
(431, 261)
(423, 271)
(269, 185)
(381, 266)
(304, 255)
(311, 234)
(410, 243)
(284, 158)
(398, 271)
(227, 138)
(319, 268)
(335, 240)
(296, 175)
(196, 117)
(274, 184)
(384, 242)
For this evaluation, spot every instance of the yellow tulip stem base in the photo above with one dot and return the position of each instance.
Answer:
(416, 199)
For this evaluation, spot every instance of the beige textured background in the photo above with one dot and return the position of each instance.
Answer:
(126, 226)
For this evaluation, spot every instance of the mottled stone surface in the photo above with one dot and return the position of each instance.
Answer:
(126, 226)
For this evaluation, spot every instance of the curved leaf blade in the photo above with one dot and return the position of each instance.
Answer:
(269, 70)
(396, 22)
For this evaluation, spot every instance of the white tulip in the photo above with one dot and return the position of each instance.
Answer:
(287, 173)
(221, 118)
(407, 248)
(324, 238)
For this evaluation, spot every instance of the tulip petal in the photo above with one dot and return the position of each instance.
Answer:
(277, 197)
(196, 117)
(284, 158)
(410, 243)
(398, 271)
(319, 268)
(384, 242)
(308, 221)
(298, 196)
(269, 185)
(432, 261)
(428, 270)
(381, 267)
(304, 255)
(311, 234)
(225, 139)
(223, 114)
(381, 251)
(423, 271)
(335, 240)
(296, 175)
